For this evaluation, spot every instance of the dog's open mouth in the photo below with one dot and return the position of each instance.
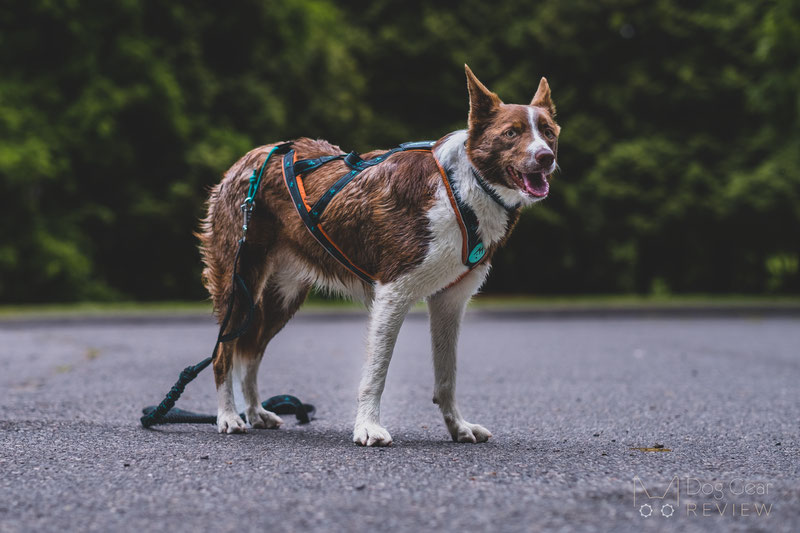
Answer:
(534, 183)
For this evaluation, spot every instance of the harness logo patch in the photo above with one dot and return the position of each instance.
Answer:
(477, 253)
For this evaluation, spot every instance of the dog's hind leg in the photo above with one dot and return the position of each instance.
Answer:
(256, 415)
(254, 270)
(389, 308)
(277, 305)
(228, 420)
(446, 309)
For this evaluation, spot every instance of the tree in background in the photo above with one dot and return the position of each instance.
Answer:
(680, 146)
(118, 115)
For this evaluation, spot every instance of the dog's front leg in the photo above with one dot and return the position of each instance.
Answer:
(389, 308)
(446, 309)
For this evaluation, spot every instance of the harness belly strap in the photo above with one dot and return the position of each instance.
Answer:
(472, 252)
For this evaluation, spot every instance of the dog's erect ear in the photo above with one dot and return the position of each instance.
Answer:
(542, 97)
(482, 101)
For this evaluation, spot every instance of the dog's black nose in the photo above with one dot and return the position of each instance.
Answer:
(545, 158)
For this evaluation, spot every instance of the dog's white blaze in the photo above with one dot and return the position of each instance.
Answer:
(538, 141)
(454, 153)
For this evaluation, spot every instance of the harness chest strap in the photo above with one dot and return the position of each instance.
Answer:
(472, 248)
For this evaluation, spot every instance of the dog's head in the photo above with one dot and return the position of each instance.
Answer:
(513, 146)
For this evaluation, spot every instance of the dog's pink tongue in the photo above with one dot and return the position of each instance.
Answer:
(536, 184)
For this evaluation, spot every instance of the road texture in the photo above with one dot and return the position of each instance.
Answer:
(568, 401)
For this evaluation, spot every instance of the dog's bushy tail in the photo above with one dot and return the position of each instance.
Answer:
(221, 228)
(214, 249)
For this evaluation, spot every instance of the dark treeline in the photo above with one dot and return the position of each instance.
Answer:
(680, 151)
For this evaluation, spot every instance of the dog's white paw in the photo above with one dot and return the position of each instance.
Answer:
(262, 419)
(230, 422)
(463, 431)
(371, 435)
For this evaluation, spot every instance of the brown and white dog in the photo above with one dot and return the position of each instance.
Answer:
(396, 221)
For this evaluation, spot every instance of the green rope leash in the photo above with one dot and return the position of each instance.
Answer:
(255, 182)
(160, 414)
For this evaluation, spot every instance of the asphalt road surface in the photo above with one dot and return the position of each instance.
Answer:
(716, 400)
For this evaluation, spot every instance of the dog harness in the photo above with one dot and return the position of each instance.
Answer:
(473, 250)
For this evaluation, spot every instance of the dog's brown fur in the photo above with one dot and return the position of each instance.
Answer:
(379, 220)
(380, 225)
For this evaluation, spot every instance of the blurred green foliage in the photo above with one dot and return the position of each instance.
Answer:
(680, 150)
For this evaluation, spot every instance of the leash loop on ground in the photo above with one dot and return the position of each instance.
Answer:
(164, 412)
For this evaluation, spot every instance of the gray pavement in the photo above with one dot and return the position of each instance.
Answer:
(567, 399)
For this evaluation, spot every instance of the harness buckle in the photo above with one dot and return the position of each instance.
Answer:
(353, 160)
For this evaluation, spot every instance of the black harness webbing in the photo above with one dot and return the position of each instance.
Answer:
(475, 247)
(294, 184)
(473, 250)
(488, 189)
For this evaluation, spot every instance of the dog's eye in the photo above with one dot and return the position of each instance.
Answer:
(510, 133)
(550, 134)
